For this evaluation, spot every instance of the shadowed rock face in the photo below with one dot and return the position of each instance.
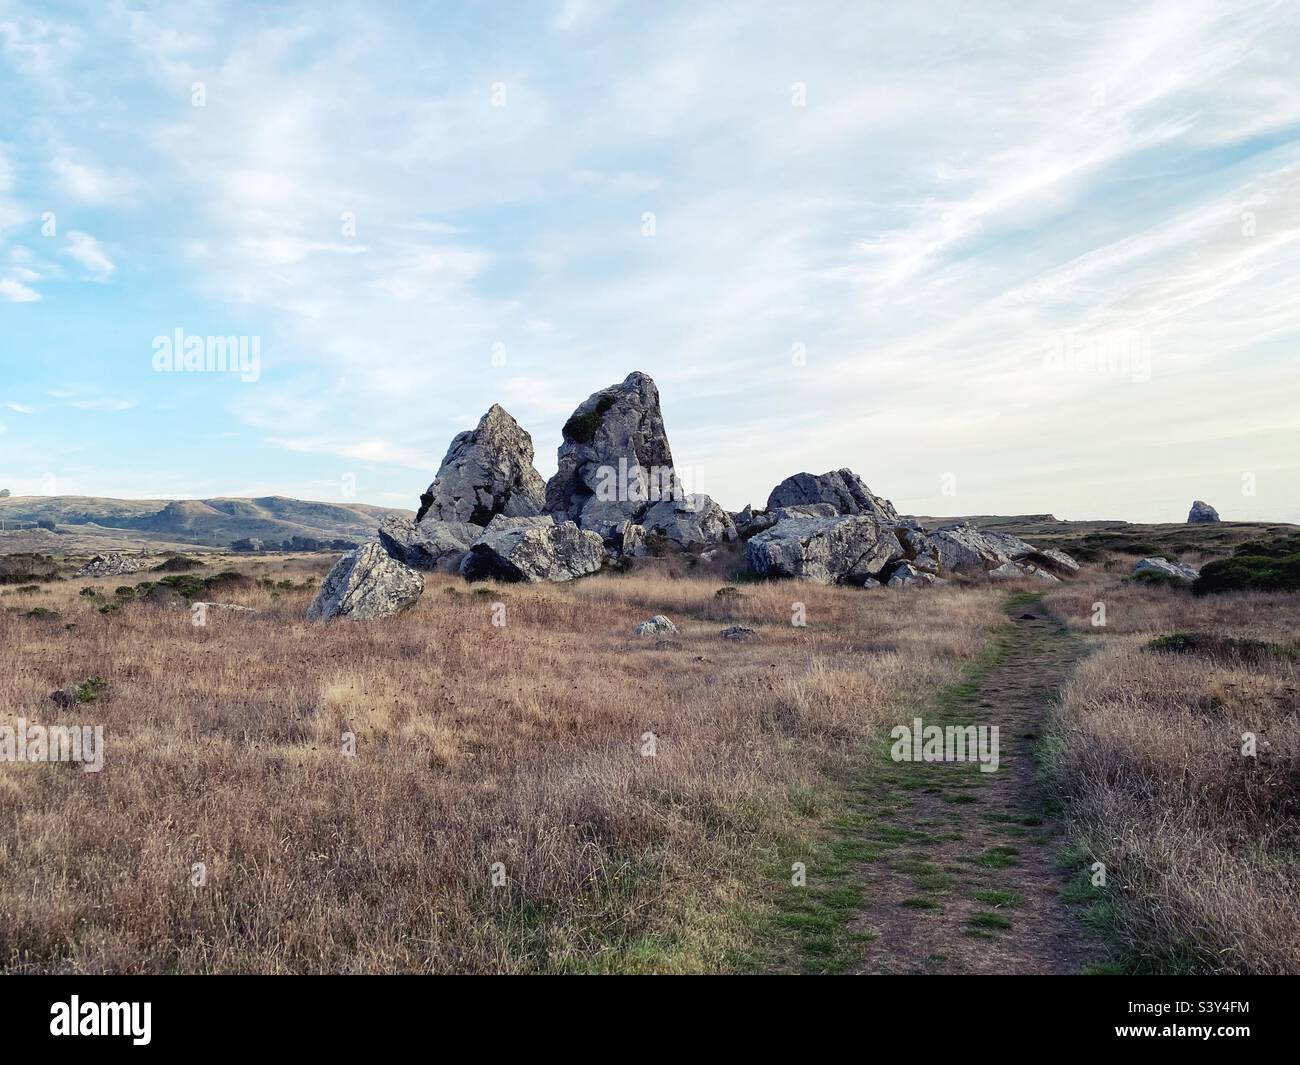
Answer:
(532, 549)
(365, 584)
(842, 489)
(1202, 513)
(614, 445)
(487, 471)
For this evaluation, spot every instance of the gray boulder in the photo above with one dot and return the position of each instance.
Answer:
(963, 549)
(487, 471)
(615, 460)
(1202, 514)
(695, 519)
(1053, 559)
(842, 489)
(658, 625)
(825, 549)
(739, 632)
(1005, 544)
(430, 545)
(1159, 567)
(906, 575)
(364, 584)
(1019, 571)
(532, 549)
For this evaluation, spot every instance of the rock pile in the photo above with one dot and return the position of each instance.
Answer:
(112, 565)
(616, 494)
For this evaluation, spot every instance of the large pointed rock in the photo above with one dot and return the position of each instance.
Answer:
(615, 460)
(365, 584)
(1201, 513)
(487, 471)
(430, 545)
(532, 549)
(810, 544)
(842, 489)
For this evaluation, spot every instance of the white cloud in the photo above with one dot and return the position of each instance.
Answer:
(17, 292)
(20, 408)
(86, 250)
(89, 184)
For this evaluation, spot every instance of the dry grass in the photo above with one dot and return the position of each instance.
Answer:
(475, 745)
(1199, 841)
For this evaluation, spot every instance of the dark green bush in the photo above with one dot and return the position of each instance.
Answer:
(1257, 566)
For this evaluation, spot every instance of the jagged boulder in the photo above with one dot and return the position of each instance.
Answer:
(1202, 513)
(842, 489)
(1005, 544)
(615, 461)
(906, 575)
(487, 471)
(1019, 571)
(365, 584)
(429, 545)
(811, 545)
(694, 519)
(1054, 560)
(532, 549)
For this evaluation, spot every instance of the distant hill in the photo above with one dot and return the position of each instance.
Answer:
(208, 522)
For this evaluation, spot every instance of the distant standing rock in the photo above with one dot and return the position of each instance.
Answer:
(1202, 514)
(487, 471)
(430, 545)
(532, 549)
(4, 493)
(365, 584)
(842, 489)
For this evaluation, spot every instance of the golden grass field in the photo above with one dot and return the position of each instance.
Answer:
(522, 744)
(1200, 842)
(475, 745)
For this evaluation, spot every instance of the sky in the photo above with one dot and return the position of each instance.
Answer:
(995, 258)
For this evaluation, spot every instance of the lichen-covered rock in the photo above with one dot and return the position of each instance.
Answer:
(842, 489)
(695, 519)
(1201, 513)
(824, 549)
(631, 540)
(615, 460)
(1011, 547)
(1160, 568)
(429, 545)
(487, 471)
(659, 625)
(532, 549)
(365, 584)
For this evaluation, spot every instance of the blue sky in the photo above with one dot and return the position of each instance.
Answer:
(996, 260)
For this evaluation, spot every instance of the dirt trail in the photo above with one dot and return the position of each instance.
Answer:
(969, 876)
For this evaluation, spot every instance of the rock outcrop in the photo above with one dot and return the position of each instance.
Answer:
(430, 544)
(532, 549)
(365, 584)
(487, 471)
(842, 489)
(1202, 513)
(827, 548)
(962, 548)
(112, 565)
